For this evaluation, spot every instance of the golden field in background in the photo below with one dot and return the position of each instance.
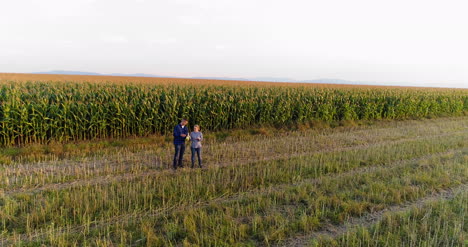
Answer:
(180, 81)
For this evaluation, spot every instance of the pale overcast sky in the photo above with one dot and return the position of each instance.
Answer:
(414, 41)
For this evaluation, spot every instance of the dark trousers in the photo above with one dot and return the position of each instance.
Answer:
(198, 152)
(179, 155)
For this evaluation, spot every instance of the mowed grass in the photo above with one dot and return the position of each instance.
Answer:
(435, 223)
(261, 189)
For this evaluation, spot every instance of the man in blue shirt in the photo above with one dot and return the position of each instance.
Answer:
(180, 133)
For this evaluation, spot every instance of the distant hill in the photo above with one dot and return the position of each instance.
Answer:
(66, 72)
(274, 79)
(332, 81)
(136, 75)
(285, 79)
(266, 79)
(71, 72)
(222, 78)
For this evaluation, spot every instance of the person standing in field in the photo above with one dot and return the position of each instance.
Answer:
(180, 133)
(196, 137)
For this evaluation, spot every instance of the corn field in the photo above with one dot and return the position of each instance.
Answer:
(39, 112)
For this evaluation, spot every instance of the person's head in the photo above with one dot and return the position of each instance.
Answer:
(184, 122)
(196, 128)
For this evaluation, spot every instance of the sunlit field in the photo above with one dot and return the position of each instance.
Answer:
(85, 161)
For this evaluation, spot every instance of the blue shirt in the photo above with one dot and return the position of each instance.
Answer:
(193, 137)
(178, 130)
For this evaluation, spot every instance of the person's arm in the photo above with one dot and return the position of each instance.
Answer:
(201, 136)
(177, 131)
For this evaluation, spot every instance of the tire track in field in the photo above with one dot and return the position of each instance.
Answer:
(58, 173)
(94, 161)
(136, 216)
(370, 219)
(110, 178)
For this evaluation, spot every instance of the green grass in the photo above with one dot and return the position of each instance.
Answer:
(273, 215)
(439, 223)
(258, 188)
